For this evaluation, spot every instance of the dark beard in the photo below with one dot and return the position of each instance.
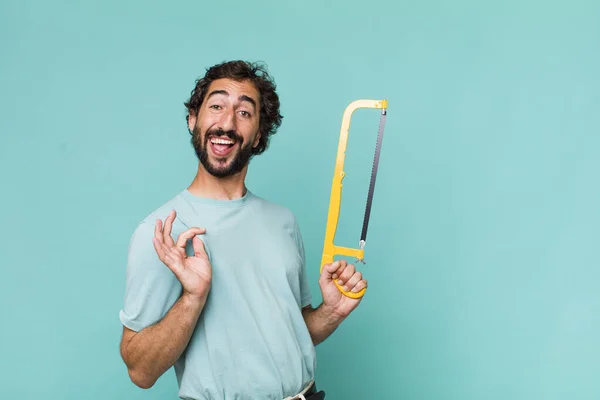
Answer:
(239, 161)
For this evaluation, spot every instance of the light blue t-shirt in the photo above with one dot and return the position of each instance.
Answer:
(251, 341)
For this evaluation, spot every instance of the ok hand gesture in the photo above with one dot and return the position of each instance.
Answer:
(194, 272)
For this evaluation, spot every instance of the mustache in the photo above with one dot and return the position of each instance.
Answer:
(231, 134)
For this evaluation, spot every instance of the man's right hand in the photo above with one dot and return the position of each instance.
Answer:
(194, 272)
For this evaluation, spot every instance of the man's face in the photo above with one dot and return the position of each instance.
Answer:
(226, 127)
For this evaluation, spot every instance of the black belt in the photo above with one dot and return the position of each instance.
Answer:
(313, 394)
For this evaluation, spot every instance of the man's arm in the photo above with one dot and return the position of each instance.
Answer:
(153, 350)
(321, 322)
(324, 320)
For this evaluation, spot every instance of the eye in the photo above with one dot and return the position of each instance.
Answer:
(245, 114)
(215, 107)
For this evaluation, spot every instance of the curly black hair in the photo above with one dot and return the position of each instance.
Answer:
(270, 117)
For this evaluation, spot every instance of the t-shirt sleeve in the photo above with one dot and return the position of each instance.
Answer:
(305, 294)
(151, 288)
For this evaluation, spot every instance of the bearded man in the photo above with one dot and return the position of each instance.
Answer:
(216, 282)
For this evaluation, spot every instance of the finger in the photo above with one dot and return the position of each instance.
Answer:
(329, 269)
(159, 248)
(199, 250)
(158, 231)
(186, 235)
(341, 268)
(346, 274)
(354, 279)
(359, 286)
(168, 240)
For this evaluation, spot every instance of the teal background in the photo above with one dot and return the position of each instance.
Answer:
(482, 256)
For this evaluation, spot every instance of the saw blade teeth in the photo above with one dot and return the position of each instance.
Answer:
(382, 121)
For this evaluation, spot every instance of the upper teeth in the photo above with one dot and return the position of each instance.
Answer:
(221, 141)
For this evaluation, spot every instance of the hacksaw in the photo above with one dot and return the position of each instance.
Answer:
(330, 249)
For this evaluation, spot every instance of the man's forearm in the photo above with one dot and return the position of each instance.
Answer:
(153, 350)
(321, 322)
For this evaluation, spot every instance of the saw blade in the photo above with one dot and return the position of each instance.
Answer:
(363, 236)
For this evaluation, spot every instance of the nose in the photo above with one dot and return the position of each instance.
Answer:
(227, 121)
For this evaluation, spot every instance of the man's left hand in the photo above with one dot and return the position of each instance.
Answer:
(349, 279)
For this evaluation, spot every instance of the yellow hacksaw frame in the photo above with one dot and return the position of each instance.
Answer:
(330, 249)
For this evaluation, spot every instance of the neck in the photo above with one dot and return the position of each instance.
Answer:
(229, 188)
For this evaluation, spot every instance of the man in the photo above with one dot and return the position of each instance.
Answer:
(219, 289)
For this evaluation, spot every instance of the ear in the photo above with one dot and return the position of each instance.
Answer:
(257, 140)
(192, 116)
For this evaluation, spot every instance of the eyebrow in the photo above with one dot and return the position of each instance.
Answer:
(241, 98)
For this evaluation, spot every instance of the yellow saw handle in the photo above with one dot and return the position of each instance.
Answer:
(330, 250)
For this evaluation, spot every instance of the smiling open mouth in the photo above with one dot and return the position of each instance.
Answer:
(221, 146)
